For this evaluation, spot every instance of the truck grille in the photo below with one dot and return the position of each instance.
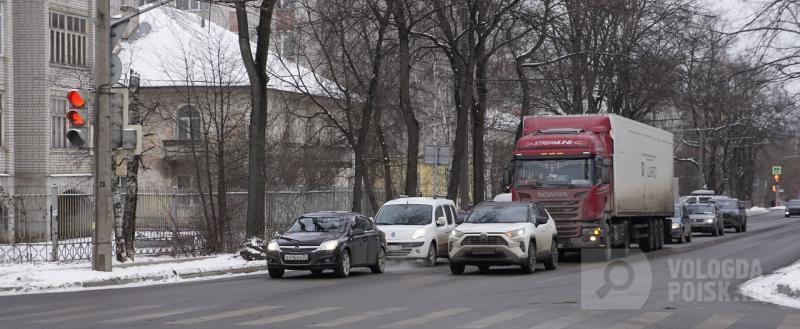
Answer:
(568, 229)
(488, 241)
(563, 209)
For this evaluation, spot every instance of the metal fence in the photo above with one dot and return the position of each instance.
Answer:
(53, 225)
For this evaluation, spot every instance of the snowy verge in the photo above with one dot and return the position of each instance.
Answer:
(781, 287)
(778, 208)
(756, 211)
(49, 277)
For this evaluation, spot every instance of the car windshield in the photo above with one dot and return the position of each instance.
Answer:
(701, 210)
(554, 173)
(517, 213)
(404, 214)
(318, 224)
(728, 204)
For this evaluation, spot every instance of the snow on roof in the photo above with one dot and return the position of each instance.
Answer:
(171, 48)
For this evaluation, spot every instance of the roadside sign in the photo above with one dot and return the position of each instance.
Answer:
(776, 170)
(437, 154)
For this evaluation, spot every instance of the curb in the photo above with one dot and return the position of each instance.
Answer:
(115, 282)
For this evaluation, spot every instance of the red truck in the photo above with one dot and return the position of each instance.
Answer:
(605, 179)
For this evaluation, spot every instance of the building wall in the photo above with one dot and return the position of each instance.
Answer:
(7, 98)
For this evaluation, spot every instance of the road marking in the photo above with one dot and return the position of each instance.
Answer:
(791, 322)
(717, 322)
(290, 316)
(40, 314)
(95, 314)
(225, 315)
(497, 318)
(150, 316)
(643, 320)
(568, 320)
(426, 318)
(359, 317)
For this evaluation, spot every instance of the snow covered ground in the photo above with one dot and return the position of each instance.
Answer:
(756, 211)
(781, 287)
(52, 277)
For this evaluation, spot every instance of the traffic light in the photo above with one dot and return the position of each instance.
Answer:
(777, 178)
(78, 133)
(774, 188)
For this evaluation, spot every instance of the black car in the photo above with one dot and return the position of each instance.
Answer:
(793, 207)
(733, 213)
(328, 240)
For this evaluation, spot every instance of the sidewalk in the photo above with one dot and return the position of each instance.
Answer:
(781, 287)
(52, 277)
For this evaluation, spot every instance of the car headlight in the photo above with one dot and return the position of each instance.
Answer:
(273, 246)
(515, 233)
(676, 225)
(709, 221)
(456, 234)
(418, 234)
(328, 245)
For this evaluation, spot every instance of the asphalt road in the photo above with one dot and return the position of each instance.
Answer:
(683, 286)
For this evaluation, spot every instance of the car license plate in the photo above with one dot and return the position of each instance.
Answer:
(483, 251)
(295, 257)
(395, 247)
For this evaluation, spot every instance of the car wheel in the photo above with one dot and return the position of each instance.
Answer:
(316, 272)
(342, 268)
(681, 239)
(530, 262)
(715, 231)
(722, 229)
(457, 268)
(380, 262)
(430, 260)
(744, 226)
(276, 273)
(738, 227)
(689, 236)
(552, 262)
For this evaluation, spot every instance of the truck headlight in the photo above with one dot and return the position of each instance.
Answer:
(418, 234)
(456, 234)
(515, 233)
(328, 245)
(273, 246)
(676, 225)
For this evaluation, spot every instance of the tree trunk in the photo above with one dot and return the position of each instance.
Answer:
(131, 199)
(479, 127)
(388, 184)
(412, 125)
(525, 86)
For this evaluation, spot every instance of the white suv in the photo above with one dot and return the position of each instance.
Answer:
(505, 233)
(417, 227)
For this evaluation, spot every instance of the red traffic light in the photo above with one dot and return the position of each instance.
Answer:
(76, 99)
(777, 178)
(75, 118)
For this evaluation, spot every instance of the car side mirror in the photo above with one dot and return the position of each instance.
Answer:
(459, 221)
(441, 221)
(541, 220)
(358, 231)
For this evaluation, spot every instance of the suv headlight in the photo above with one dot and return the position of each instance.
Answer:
(515, 233)
(418, 234)
(328, 245)
(273, 246)
(456, 234)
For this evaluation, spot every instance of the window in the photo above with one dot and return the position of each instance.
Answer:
(191, 4)
(365, 224)
(58, 123)
(439, 213)
(2, 117)
(2, 22)
(188, 123)
(184, 183)
(144, 2)
(449, 212)
(67, 39)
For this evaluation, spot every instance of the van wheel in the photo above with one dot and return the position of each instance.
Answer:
(430, 260)
(552, 262)
(530, 262)
(457, 268)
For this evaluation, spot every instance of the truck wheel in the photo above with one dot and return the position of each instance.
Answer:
(457, 268)
(552, 262)
(530, 262)
(660, 234)
(625, 249)
(647, 244)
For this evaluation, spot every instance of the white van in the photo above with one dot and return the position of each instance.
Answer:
(417, 227)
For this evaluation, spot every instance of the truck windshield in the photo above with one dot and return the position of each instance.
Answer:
(404, 214)
(554, 173)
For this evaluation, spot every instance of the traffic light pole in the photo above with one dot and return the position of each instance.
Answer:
(101, 249)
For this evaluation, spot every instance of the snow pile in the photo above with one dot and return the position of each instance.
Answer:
(781, 287)
(254, 249)
(778, 208)
(756, 211)
(171, 48)
(47, 277)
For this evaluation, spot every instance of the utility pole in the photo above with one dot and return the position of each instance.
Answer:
(101, 248)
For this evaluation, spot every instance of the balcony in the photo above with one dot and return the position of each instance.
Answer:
(181, 149)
